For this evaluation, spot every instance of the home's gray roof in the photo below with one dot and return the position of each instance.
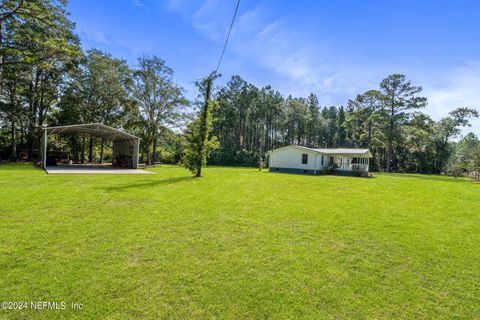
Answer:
(343, 151)
(96, 129)
(340, 151)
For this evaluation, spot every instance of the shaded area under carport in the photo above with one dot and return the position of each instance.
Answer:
(125, 145)
(89, 169)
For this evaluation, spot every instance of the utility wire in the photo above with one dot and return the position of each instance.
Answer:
(228, 36)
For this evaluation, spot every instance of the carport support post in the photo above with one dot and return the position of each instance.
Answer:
(44, 148)
(136, 145)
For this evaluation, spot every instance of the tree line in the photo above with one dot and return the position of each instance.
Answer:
(46, 78)
(388, 120)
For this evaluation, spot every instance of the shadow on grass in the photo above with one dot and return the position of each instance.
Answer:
(150, 183)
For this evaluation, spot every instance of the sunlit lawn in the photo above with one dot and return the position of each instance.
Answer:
(239, 244)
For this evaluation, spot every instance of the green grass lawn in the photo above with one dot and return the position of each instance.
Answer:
(239, 244)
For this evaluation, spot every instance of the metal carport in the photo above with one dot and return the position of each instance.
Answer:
(123, 143)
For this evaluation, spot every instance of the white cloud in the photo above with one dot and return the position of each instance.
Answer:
(298, 64)
(459, 88)
(95, 34)
(138, 3)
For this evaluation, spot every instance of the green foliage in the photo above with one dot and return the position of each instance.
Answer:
(160, 102)
(46, 79)
(98, 91)
(228, 157)
(456, 170)
(331, 168)
(399, 97)
(200, 143)
(37, 40)
(465, 156)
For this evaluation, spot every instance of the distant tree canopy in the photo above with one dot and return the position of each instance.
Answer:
(386, 120)
(47, 79)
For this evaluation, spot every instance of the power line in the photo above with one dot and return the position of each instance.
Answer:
(228, 36)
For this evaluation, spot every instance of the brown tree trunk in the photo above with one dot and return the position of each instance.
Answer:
(154, 153)
(33, 87)
(260, 152)
(390, 139)
(14, 141)
(102, 147)
(1, 51)
(82, 160)
(75, 152)
(203, 128)
(148, 155)
(369, 136)
(90, 150)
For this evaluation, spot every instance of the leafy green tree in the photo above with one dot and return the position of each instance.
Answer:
(37, 34)
(272, 102)
(362, 118)
(330, 119)
(97, 91)
(200, 142)
(341, 135)
(449, 128)
(314, 123)
(400, 98)
(160, 101)
(416, 150)
(464, 153)
(476, 159)
(12, 105)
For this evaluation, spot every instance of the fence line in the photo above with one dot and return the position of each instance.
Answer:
(474, 175)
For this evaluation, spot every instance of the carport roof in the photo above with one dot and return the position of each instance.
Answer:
(95, 129)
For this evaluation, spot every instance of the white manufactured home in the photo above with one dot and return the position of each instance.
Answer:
(298, 159)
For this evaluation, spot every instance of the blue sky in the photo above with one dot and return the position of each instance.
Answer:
(333, 48)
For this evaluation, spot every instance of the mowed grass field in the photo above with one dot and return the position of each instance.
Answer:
(239, 244)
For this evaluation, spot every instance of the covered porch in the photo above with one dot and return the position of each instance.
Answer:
(351, 163)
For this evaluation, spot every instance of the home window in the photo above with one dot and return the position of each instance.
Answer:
(304, 158)
(322, 159)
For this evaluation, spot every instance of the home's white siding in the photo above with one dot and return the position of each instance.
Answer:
(326, 159)
(292, 158)
(289, 159)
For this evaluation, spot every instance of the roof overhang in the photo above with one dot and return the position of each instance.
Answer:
(344, 152)
(347, 152)
(95, 129)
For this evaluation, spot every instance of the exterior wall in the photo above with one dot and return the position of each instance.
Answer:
(135, 156)
(291, 158)
(127, 148)
(290, 170)
(326, 159)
